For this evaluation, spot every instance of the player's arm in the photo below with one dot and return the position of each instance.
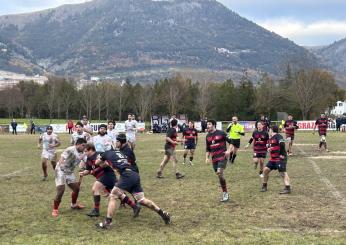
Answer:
(282, 149)
(39, 142)
(250, 141)
(207, 151)
(87, 130)
(241, 132)
(316, 124)
(196, 139)
(229, 127)
(72, 141)
(296, 125)
(57, 142)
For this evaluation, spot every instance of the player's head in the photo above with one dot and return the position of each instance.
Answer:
(102, 129)
(211, 125)
(260, 126)
(191, 124)
(90, 149)
(80, 144)
(174, 123)
(49, 130)
(290, 117)
(111, 125)
(121, 140)
(323, 115)
(85, 120)
(129, 116)
(274, 130)
(235, 119)
(79, 127)
(133, 117)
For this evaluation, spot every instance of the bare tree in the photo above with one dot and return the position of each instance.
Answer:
(203, 99)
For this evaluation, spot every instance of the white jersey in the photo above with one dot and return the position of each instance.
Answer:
(47, 140)
(88, 127)
(102, 143)
(72, 158)
(113, 134)
(76, 135)
(130, 128)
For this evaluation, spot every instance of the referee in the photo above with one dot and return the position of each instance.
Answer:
(235, 130)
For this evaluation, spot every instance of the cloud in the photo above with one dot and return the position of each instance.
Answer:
(321, 32)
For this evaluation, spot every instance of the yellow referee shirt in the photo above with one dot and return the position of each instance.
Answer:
(236, 131)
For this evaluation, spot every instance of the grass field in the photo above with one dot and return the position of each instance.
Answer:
(315, 212)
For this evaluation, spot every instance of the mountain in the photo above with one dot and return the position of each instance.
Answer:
(118, 38)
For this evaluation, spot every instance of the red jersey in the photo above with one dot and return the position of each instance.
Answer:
(260, 139)
(216, 145)
(290, 126)
(274, 146)
(322, 124)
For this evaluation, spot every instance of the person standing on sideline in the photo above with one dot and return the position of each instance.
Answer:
(70, 126)
(14, 126)
(235, 130)
(32, 127)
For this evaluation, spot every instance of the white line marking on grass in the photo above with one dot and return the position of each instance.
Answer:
(14, 173)
(326, 181)
(337, 152)
(328, 157)
(299, 230)
(305, 144)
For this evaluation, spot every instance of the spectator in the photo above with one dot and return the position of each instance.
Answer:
(70, 126)
(338, 121)
(32, 127)
(204, 124)
(14, 126)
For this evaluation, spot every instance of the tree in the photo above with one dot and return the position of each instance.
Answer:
(203, 99)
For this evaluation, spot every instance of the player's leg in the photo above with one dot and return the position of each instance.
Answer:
(284, 175)
(60, 189)
(163, 164)
(255, 161)
(44, 161)
(53, 160)
(113, 205)
(75, 187)
(266, 172)
(192, 153)
(186, 151)
(139, 196)
(96, 191)
(220, 167)
(178, 175)
(261, 163)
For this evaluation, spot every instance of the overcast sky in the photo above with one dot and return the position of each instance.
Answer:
(306, 22)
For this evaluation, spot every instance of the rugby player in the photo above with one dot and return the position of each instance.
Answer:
(86, 125)
(49, 141)
(111, 132)
(64, 174)
(123, 147)
(129, 181)
(216, 147)
(290, 126)
(190, 139)
(235, 130)
(171, 142)
(277, 161)
(260, 139)
(79, 134)
(322, 124)
(265, 122)
(105, 179)
(131, 128)
(102, 141)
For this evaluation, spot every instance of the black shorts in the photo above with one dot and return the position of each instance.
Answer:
(169, 151)
(259, 155)
(220, 164)
(235, 143)
(280, 166)
(190, 146)
(290, 136)
(108, 180)
(130, 181)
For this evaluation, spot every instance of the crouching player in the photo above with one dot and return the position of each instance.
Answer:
(129, 181)
(278, 160)
(64, 174)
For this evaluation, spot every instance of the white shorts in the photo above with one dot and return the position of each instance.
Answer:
(51, 156)
(131, 138)
(64, 179)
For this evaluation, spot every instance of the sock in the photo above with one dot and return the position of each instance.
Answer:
(56, 204)
(260, 172)
(191, 158)
(264, 184)
(160, 212)
(223, 185)
(44, 168)
(108, 220)
(233, 157)
(74, 197)
(128, 201)
(97, 199)
(287, 187)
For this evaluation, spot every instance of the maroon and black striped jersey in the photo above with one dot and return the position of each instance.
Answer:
(260, 141)
(322, 124)
(171, 133)
(275, 144)
(97, 171)
(190, 135)
(216, 145)
(290, 126)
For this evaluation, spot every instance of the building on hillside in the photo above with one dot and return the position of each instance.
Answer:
(339, 109)
(11, 79)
